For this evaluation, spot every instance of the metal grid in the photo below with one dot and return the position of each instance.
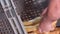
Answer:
(5, 27)
(33, 9)
(27, 9)
(12, 16)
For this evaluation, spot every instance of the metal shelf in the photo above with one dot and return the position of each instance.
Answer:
(12, 16)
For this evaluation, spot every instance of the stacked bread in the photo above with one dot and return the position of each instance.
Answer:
(32, 28)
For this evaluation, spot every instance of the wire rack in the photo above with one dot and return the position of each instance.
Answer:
(5, 27)
(29, 9)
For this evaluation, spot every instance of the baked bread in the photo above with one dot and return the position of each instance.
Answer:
(32, 29)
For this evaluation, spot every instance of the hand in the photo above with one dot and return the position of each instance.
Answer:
(47, 25)
(52, 14)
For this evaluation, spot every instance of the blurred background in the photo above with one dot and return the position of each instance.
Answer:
(29, 12)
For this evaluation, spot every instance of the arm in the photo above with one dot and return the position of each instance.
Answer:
(52, 16)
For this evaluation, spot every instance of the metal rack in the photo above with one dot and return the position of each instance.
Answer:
(16, 9)
(12, 16)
